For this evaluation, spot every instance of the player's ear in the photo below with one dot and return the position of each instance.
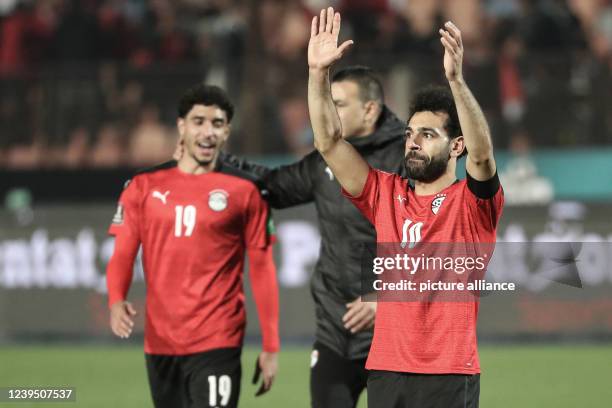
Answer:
(457, 146)
(180, 125)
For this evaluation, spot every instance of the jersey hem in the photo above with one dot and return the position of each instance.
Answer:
(415, 370)
(179, 351)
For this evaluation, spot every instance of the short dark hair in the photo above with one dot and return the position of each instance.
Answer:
(208, 95)
(370, 87)
(438, 99)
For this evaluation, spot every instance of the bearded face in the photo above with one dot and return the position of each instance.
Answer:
(422, 167)
(428, 146)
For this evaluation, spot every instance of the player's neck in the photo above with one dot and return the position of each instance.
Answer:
(190, 166)
(422, 188)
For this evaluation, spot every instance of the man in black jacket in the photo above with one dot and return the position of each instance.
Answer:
(344, 323)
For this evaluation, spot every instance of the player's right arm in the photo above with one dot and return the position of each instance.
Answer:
(348, 166)
(118, 278)
(125, 228)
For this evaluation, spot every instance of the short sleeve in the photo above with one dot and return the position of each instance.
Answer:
(257, 233)
(487, 199)
(367, 201)
(127, 217)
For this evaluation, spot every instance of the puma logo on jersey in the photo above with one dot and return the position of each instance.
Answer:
(400, 198)
(329, 173)
(162, 197)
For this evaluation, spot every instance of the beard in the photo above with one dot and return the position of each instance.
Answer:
(427, 170)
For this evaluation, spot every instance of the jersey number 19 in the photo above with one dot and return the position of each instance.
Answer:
(185, 220)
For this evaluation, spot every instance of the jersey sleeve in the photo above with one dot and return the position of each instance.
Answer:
(265, 293)
(126, 220)
(367, 201)
(125, 228)
(258, 231)
(487, 200)
(261, 269)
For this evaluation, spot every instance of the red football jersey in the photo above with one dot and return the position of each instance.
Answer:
(427, 337)
(194, 231)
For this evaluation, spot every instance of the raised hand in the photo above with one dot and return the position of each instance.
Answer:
(450, 36)
(323, 48)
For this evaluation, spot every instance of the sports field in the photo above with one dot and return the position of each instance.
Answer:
(514, 376)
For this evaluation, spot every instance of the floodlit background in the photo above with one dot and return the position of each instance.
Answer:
(88, 94)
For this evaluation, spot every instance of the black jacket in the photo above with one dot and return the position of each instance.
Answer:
(344, 231)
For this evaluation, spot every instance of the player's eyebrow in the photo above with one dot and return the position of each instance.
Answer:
(202, 118)
(424, 129)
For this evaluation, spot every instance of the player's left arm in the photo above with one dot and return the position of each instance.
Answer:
(265, 291)
(480, 163)
(265, 287)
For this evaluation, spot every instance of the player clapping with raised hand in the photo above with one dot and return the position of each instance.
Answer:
(422, 354)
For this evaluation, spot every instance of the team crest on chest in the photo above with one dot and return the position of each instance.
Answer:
(217, 200)
(437, 203)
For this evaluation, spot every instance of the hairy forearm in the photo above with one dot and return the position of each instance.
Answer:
(474, 125)
(323, 115)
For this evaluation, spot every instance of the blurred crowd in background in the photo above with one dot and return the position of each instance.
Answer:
(95, 83)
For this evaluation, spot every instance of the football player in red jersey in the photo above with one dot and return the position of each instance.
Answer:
(195, 220)
(423, 353)
(344, 324)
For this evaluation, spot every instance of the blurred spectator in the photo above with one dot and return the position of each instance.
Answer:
(296, 125)
(543, 66)
(364, 17)
(115, 36)
(24, 156)
(76, 154)
(522, 184)
(150, 141)
(467, 14)
(108, 150)
(77, 37)
(512, 93)
(25, 37)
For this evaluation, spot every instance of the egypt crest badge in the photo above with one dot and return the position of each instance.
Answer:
(437, 203)
(217, 200)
